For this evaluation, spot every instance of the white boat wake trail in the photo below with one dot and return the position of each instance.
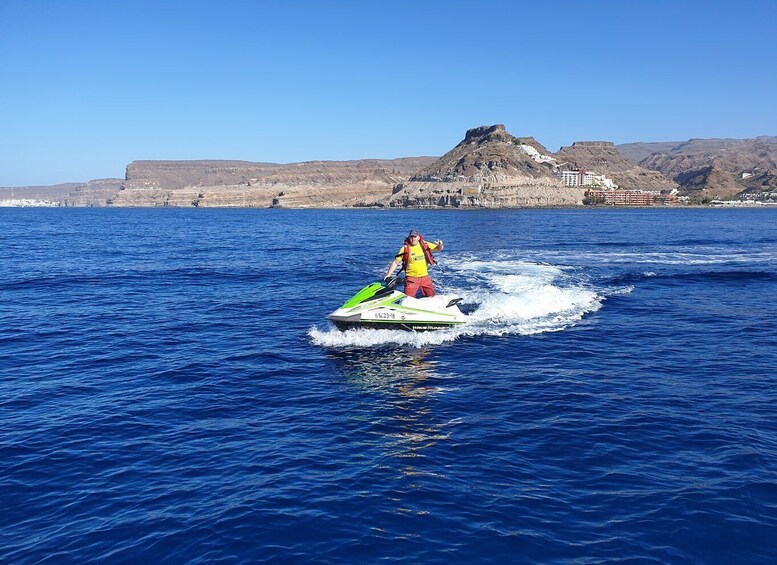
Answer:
(503, 296)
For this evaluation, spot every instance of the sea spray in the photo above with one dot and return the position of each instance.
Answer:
(505, 297)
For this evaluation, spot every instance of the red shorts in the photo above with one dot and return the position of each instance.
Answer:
(412, 284)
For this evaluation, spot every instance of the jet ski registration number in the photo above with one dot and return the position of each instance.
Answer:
(385, 316)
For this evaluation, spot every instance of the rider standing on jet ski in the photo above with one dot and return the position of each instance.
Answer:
(415, 255)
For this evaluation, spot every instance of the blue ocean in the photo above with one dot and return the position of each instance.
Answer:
(171, 391)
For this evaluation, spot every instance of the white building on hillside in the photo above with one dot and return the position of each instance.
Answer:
(603, 181)
(536, 155)
(577, 178)
(586, 178)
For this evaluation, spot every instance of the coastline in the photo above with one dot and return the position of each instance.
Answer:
(764, 206)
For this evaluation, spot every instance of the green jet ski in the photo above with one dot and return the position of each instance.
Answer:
(381, 306)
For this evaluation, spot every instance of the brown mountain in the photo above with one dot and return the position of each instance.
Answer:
(716, 168)
(487, 152)
(489, 168)
(640, 150)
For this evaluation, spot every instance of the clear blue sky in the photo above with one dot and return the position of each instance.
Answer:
(88, 86)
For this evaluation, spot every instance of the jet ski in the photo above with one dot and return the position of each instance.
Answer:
(381, 306)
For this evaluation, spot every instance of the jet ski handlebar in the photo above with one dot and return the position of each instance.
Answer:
(391, 282)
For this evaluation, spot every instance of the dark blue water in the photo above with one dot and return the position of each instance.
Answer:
(170, 391)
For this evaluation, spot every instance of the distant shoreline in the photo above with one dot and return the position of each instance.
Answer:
(767, 206)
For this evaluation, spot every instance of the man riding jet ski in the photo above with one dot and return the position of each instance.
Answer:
(414, 256)
(382, 306)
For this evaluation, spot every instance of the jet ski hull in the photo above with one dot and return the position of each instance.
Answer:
(344, 325)
(379, 307)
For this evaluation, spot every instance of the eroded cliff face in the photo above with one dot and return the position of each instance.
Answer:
(95, 193)
(531, 193)
(489, 168)
(245, 184)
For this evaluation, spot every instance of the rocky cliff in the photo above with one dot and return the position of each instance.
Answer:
(489, 168)
(603, 158)
(717, 168)
(95, 193)
(242, 183)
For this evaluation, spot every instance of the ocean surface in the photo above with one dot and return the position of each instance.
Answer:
(171, 392)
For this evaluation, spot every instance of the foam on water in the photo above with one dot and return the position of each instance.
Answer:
(692, 256)
(510, 297)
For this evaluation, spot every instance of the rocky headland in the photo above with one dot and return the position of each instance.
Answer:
(489, 168)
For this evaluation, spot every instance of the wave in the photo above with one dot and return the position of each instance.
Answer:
(694, 256)
(723, 276)
(632, 277)
(502, 298)
(703, 276)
